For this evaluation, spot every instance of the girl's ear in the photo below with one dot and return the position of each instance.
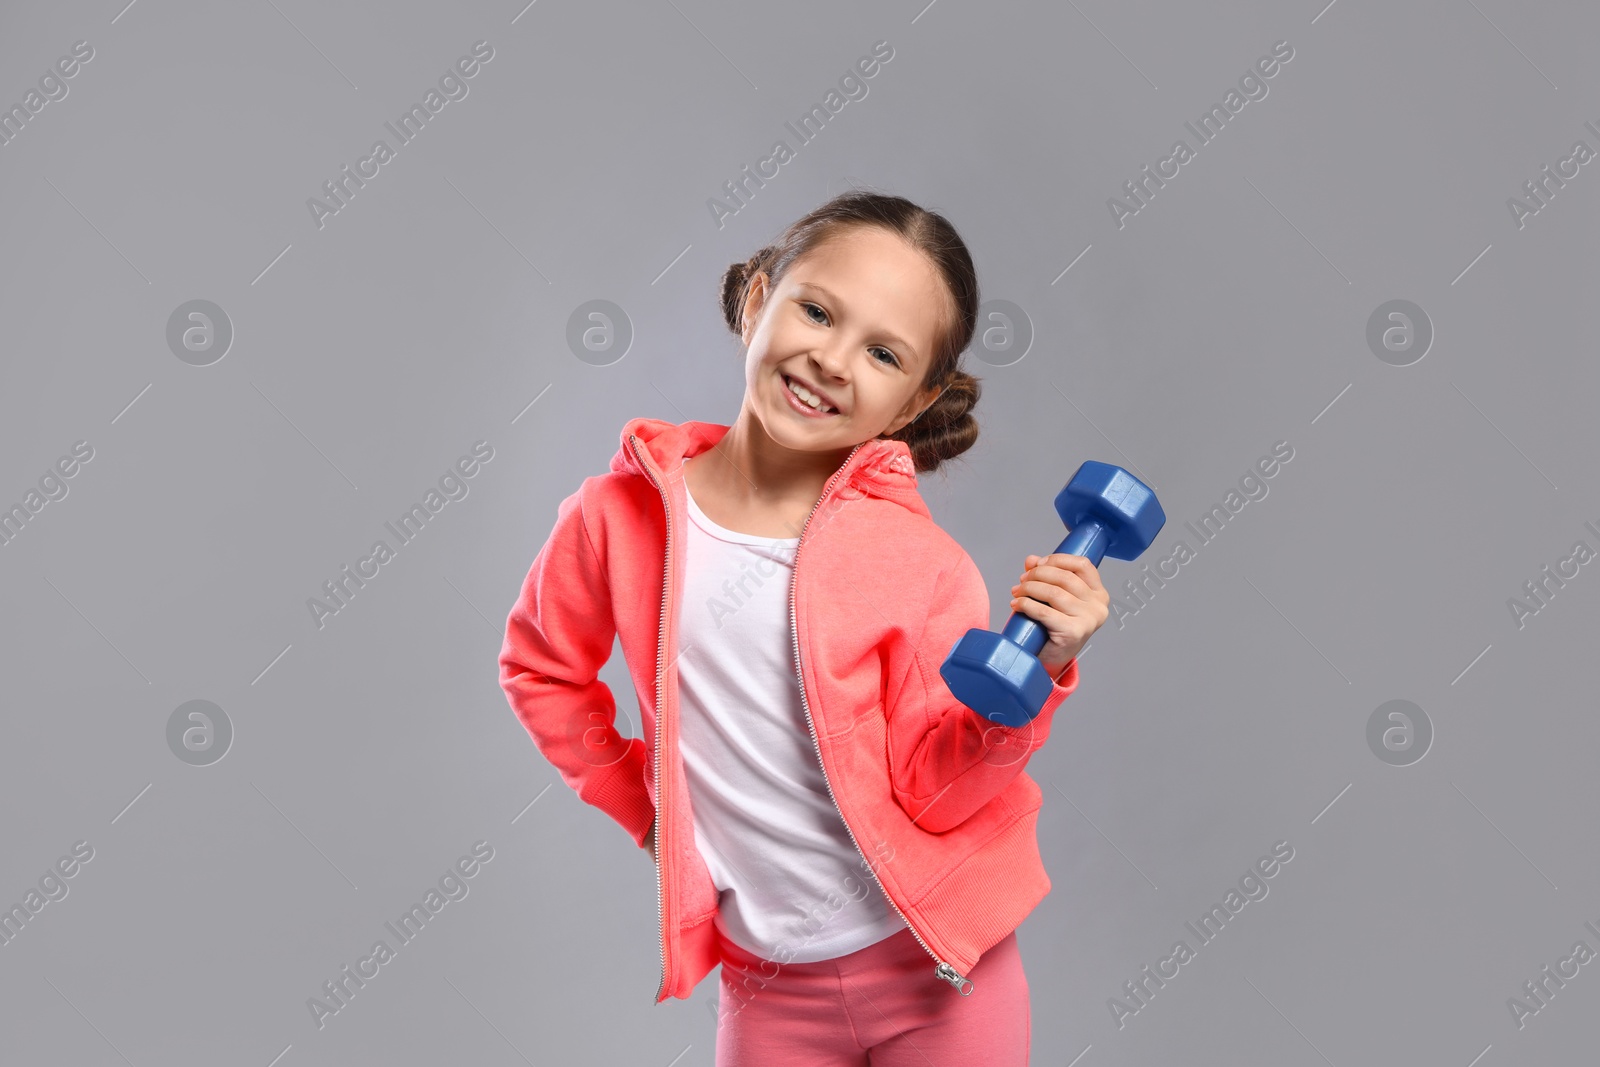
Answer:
(927, 399)
(917, 405)
(755, 299)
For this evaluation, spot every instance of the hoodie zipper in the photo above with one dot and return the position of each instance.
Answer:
(941, 970)
(661, 654)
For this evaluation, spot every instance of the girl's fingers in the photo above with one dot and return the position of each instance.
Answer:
(1061, 592)
(1050, 596)
(1047, 579)
(1078, 565)
(1074, 573)
(1030, 606)
(1052, 619)
(1066, 561)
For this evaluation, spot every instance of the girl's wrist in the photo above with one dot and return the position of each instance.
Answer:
(1055, 668)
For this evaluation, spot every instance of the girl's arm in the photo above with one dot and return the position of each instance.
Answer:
(559, 634)
(946, 760)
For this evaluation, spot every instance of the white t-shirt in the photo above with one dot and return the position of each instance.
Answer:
(791, 883)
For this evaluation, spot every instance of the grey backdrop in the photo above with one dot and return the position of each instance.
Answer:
(344, 364)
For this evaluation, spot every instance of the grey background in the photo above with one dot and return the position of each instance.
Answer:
(368, 355)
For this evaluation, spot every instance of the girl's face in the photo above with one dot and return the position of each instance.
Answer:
(854, 323)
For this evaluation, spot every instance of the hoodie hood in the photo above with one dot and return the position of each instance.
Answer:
(880, 467)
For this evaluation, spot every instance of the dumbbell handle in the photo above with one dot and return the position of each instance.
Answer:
(1089, 539)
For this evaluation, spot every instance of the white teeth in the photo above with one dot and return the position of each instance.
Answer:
(807, 395)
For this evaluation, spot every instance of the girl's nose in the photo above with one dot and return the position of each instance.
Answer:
(829, 363)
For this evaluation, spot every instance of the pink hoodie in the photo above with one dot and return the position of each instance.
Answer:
(880, 593)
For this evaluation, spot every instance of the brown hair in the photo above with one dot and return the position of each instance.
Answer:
(946, 428)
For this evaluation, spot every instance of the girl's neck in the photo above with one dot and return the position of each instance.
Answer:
(754, 468)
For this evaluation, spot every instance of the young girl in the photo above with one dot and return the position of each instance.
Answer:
(854, 846)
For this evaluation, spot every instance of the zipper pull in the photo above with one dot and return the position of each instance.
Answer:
(948, 973)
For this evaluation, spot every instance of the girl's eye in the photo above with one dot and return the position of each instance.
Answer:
(892, 361)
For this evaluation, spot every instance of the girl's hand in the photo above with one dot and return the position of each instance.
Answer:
(650, 842)
(1063, 594)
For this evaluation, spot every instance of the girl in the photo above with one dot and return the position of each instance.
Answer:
(854, 846)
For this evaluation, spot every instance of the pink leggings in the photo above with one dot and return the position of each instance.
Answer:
(880, 1006)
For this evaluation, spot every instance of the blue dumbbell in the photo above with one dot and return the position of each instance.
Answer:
(998, 675)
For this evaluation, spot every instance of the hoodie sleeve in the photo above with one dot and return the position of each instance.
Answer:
(951, 761)
(558, 635)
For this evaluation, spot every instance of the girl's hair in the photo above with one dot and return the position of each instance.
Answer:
(946, 428)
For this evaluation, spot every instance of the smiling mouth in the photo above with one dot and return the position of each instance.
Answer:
(821, 406)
